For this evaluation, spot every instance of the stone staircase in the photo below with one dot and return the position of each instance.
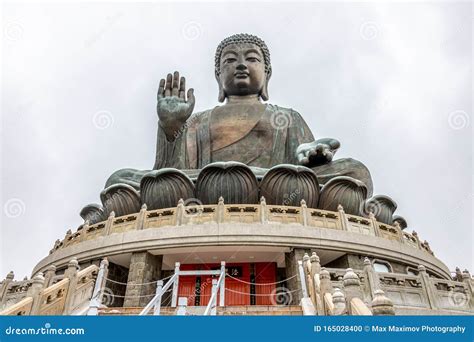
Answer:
(133, 311)
(260, 310)
(240, 310)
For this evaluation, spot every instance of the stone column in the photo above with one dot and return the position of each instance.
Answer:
(144, 268)
(291, 267)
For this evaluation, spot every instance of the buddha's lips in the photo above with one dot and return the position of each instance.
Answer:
(241, 74)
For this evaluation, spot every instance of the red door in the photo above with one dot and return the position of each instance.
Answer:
(265, 275)
(187, 285)
(237, 290)
(238, 287)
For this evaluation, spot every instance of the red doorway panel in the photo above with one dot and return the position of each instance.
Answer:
(238, 292)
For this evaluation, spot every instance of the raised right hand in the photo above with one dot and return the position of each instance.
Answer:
(173, 109)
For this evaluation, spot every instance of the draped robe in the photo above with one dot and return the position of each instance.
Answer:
(260, 141)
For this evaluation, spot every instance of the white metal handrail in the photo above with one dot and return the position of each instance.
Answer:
(211, 306)
(156, 301)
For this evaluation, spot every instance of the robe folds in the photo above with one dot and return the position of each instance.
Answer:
(266, 140)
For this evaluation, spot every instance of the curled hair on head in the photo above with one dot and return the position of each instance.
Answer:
(239, 39)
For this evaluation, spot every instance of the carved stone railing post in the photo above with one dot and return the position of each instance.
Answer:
(141, 219)
(427, 286)
(315, 264)
(307, 263)
(35, 292)
(325, 278)
(373, 282)
(382, 305)
(71, 273)
(375, 224)
(466, 278)
(67, 237)
(304, 213)
(343, 217)
(325, 286)
(339, 302)
(397, 226)
(303, 279)
(180, 211)
(109, 223)
(5, 285)
(307, 275)
(99, 286)
(352, 288)
(49, 275)
(85, 228)
(220, 210)
(418, 242)
(315, 277)
(263, 210)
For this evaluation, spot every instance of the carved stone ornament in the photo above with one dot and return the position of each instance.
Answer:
(401, 221)
(93, 213)
(121, 199)
(164, 188)
(288, 184)
(346, 191)
(234, 181)
(382, 207)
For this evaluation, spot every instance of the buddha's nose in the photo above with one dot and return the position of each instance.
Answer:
(241, 66)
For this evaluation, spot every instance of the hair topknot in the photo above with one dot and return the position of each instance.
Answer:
(239, 39)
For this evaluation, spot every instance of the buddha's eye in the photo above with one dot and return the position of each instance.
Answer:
(230, 60)
(253, 59)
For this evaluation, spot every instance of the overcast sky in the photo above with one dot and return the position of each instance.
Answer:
(392, 82)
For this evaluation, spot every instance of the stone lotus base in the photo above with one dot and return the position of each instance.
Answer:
(236, 183)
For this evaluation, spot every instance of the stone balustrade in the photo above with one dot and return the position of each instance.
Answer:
(13, 291)
(409, 293)
(346, 291)
(240, 213)
(331, 300)
(50, 295)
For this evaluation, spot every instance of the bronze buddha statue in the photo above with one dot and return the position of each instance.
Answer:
(244, 129)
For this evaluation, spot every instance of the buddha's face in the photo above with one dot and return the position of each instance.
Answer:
(242, 69)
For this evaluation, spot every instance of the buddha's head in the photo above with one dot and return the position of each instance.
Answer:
(242, 67)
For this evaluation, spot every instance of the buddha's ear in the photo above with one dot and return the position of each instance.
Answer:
(264, 92)
(222, 95)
